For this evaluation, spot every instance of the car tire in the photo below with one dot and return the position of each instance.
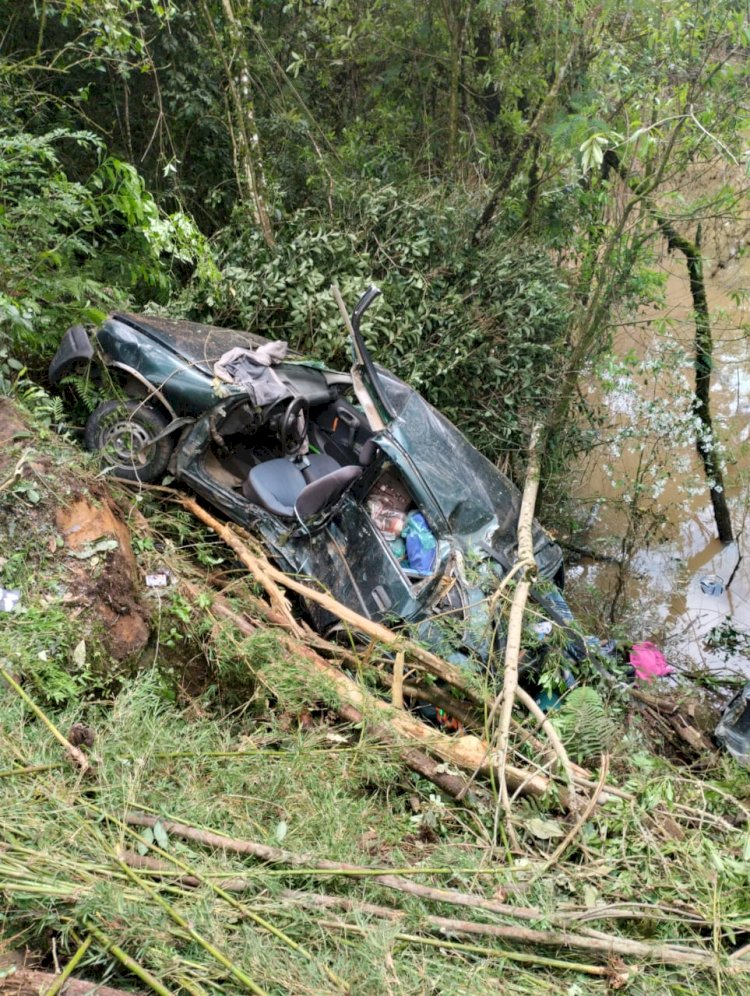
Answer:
(120, 432)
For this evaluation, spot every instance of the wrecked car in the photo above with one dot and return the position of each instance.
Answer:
(351, 479)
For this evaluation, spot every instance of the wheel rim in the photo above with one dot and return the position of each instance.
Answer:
(125, 443)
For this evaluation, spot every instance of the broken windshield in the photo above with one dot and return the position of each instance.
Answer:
(471, 493)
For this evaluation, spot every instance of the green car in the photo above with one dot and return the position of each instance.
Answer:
(350, 479)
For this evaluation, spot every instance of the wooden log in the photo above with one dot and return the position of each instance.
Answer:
(29, 982)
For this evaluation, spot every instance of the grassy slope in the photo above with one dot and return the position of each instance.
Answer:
(211, 730)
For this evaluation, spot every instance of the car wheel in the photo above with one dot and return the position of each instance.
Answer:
(121, 432)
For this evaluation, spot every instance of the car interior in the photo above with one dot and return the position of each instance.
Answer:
(298, 462)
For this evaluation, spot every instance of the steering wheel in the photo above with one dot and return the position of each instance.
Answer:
(293, 427)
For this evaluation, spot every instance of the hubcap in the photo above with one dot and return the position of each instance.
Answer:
(126, 444)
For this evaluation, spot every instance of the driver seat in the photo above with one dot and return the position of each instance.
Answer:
(280, 487)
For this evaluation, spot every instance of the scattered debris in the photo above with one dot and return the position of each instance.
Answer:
(160, 579)
(81, 734)
(10, 599)
(712, 584)
(103, 545)
(649, 662)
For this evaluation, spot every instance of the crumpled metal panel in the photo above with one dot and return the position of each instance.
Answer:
(462, 493)
(200, 344)
(351, 560)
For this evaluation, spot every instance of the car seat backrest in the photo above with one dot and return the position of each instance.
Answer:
(325, 492)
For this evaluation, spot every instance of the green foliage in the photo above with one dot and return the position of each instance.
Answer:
(71, 249)
(449, 320)
(584, 724)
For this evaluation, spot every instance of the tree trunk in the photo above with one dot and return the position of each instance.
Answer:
(245, 141)
(523, 146)
(705, 439)
(455, 22)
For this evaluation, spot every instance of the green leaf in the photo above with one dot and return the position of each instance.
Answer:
(544, 829)
(161, 836)
(79, 654)
(281, 830)
(148, 838)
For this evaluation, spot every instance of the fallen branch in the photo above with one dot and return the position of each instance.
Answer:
(584, 816)
(556, 743)
(29, 982)
(523, 957)
(618, 911)
(452, 784)
(604, 944)
(266, 574)
(321, 866)
(468, 753)
(76, 755)
(526, 567)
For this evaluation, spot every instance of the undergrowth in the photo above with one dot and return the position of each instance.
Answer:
(219, 731)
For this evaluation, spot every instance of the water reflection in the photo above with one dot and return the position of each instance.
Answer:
(663, 598)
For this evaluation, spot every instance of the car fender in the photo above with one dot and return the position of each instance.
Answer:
(75, 348)
(152, 392)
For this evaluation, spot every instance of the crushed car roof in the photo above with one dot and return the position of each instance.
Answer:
(202, 345)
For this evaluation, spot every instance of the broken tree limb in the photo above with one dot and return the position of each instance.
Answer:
(557, 745)
(603, 944)
(30, 982)
(313, 865)
(467, 753)
(527, 567)
(397, 689)
(270, 577)
(253, 563)
(621, 911)
(585, 814)
(453, 784)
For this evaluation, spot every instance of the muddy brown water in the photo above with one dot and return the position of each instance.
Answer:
(659, 595)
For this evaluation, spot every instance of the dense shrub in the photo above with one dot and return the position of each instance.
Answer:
(477, 331)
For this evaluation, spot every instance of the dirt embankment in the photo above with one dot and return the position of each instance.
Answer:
(72, 519)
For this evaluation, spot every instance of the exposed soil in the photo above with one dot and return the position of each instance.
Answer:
(110, 595)
(103, 587)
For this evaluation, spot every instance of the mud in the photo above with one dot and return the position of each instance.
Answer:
(72, 515)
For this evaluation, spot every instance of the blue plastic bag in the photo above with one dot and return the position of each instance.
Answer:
(421, 545)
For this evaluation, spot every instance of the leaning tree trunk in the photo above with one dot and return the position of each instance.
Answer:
(705, 439)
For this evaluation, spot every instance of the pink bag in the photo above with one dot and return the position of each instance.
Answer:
(649, 662)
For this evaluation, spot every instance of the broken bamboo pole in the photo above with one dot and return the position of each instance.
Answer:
(608, 945)
(467, 753)
(271, 577)
(453, 784)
